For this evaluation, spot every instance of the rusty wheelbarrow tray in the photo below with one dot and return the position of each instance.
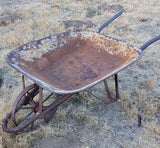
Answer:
(72, 61)
(67, 63)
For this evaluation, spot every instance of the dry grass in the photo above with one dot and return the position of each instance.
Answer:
(85, 119)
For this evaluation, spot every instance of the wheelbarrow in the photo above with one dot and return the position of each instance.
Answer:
(65, 64)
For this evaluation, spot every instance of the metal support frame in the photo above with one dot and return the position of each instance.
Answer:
(116, 89)
(26, 97)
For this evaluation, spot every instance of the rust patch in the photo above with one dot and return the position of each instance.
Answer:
(73, 60)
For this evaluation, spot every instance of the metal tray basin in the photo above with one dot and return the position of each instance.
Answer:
(72, 61)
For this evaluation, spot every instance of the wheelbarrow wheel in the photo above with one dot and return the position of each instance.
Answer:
(29, 121)
(25, 104)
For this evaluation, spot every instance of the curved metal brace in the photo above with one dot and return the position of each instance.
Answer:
(35, 117)
(116, 90)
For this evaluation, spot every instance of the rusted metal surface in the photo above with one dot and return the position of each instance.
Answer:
(72, 61)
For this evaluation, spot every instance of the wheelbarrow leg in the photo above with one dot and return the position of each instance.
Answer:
(23, 82)
(40, 99)
(51, 114)
(116, 89)
(116, 86)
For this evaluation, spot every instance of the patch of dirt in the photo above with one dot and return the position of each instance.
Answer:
(8, 18)
(158, 23)
(77, 24)
(110, 7)
(92, 12)
(59, 142)
(145, 28)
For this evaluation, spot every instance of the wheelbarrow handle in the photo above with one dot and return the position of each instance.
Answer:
(144, 46)
(109, 21)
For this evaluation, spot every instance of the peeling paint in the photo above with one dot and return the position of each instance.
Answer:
(70, 57)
